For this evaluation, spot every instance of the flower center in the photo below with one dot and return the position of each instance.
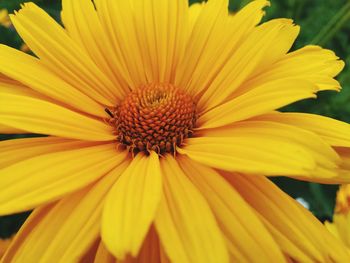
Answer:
(155, 117)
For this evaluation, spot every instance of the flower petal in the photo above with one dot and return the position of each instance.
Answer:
(326, 159)
(214, 40)
(312, 63)
(69, 229)
(185, 224)
(117, 18)
(251, 153)
(84, 26)
(16, 150)
(203, 39)
(47, 177)
(151, 251)
(245, 60)
(131, 206)
(292, 220)
(242, 227)
(35, 217)
(43, 117)
(61, 54)
(31, 72)
(9, 130)
(262, 99)
(148, 35)
(162, 27)
(334, 132)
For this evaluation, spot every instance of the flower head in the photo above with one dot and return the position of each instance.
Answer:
(162, 128)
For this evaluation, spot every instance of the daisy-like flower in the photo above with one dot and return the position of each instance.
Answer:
(162, 128)
(341, 218)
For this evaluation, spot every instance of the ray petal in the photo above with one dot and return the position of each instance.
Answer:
(242, 227)
(47, 177)
(131, 206)
(292, 220)
(68, 229)
(185, 223)
(22, 110)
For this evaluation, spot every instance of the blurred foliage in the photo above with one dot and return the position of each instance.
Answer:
(322, 22)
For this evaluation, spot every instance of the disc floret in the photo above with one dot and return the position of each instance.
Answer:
(154, 117)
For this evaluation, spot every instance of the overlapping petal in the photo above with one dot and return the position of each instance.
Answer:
(148, 36)
(185, 223)
(48, 177)
(246, 59)
(84, 26)
(13, 151)
(21, 109)
(263, 148)
(281, 212)
(30, 71)
(213, 42)
(243, 230)
(325, 157)
(265, 98)
(131, 206)
(334, 132)
(312, 63)
(59, 53)
(68, 229)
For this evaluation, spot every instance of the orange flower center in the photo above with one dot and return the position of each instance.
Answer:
(154, 117)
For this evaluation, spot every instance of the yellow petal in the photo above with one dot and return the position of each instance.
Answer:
(39, 116)
(185, 224)
(83, 25)
(334, 132)
(9, 130)
(326, 159)
(222, 34)
(117, 18)
(151, 251)
(292, 220)
(131, 205)
(103, 255)
(262, 99)
(286, 245)
(48, 177)
(69, 229)
(194, 12)
(342, 173)
(61, 54)
(242, 228)
(242, 63)
(16, 150)
(162, 28)
(281, 45)
(203, 40)
(250, 153)
(311, 63)
(31, 72)
(35, 217)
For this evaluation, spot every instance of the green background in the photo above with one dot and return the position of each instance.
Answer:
(322, 22)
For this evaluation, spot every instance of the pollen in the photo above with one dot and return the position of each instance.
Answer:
(154, 117)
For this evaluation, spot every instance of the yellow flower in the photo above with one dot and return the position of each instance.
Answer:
(162, 128)
(341, 218)
(4, 18)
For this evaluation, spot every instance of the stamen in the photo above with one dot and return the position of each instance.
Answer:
(155, 117)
